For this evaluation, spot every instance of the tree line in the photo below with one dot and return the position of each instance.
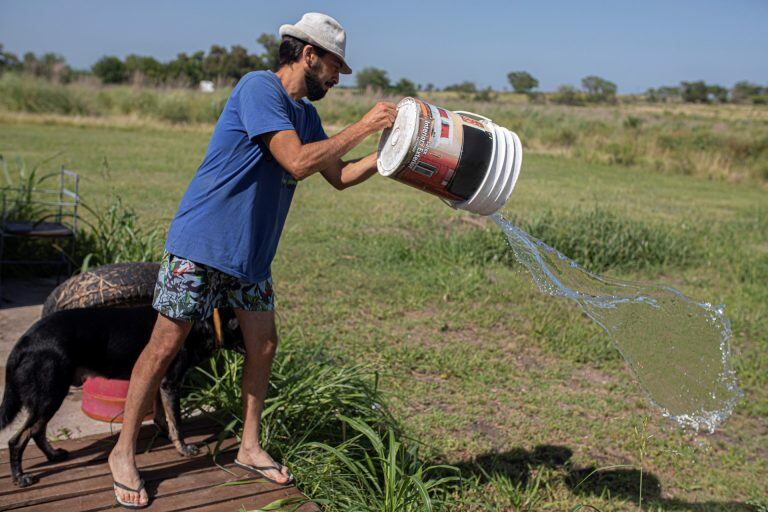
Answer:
(225, 66)
(221, 65)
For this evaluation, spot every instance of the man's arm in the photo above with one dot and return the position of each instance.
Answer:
(346, 174)
(302, 160)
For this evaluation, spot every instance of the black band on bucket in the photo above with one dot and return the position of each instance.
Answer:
(476, 152)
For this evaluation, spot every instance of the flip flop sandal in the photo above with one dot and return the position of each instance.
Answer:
(259, 470)
(125, 504)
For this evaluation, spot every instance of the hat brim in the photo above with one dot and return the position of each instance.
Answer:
(293, 31)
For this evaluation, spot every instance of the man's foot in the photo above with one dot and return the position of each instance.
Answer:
(124, 470)
(259, 458)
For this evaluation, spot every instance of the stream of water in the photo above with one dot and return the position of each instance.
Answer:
(678, 348)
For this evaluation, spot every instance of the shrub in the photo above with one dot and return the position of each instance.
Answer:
(372, 78)
(522, 81)
(568, 95)
(600, 239)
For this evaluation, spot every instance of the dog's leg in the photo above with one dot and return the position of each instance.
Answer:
(51, 453)
(16, 446)
(161, 422)
(169, 393)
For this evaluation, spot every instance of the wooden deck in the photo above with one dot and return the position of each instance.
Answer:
(83, 482)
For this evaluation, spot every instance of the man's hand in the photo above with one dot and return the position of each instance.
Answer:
(381, 116)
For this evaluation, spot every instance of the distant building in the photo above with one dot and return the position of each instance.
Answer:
(207, 86)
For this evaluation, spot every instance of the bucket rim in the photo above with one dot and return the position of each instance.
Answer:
(412, 130)
(506, 187)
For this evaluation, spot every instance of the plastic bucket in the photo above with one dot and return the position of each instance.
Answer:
(466, 159)
(104, 399)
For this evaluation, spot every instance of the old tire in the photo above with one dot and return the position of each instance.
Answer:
(115, 285)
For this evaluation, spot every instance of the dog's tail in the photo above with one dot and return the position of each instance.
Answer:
(11, 404)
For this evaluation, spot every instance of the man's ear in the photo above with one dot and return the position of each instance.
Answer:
(309, 55)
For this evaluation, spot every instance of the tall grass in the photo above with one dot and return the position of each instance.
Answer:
(596, 238)
(601, 239)
(714, 142)
(115, 235)
(19, 189)
(330, 423)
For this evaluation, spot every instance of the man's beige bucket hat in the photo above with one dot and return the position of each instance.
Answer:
(320, 30)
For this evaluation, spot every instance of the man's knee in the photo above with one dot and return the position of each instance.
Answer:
(168, 336)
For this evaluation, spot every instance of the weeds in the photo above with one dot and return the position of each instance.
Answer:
(17, 194)
(375, 473)
(330, 422)
(115, 236)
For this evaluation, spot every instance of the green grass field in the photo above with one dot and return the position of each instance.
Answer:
(479, 366)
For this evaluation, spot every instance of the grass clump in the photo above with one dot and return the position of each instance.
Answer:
(374, 472)
(331, 424)
(116, 236)
(600, 239)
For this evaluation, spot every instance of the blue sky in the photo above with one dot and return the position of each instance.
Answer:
(637, 44)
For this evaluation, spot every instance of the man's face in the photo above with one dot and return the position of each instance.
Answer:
(321, 75)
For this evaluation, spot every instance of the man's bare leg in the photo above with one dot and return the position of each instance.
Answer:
(260, 339)
(167, 338)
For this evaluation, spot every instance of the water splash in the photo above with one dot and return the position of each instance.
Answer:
(678, 348)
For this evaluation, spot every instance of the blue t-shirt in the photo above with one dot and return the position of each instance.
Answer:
(233, 211)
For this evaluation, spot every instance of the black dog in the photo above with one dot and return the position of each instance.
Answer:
(62, 349)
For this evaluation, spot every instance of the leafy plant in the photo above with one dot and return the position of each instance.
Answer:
(376, 473)
(116, 236)
(18, 194)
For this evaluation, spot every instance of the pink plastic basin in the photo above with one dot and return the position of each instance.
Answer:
(104, 399)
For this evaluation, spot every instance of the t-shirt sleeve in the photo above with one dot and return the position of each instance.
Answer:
(261, 108)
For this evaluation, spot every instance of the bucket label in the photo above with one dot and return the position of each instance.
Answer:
(436, 151)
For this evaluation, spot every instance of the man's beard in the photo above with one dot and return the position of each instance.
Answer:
(315, 89)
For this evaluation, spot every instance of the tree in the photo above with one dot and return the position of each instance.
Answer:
(599, 90)
(744, 91)
(270, 59)
(694, 92)
(145, 69)
(522, 81)
(111, 70)
(568, 95)
(718, 93)
(186, 69)
(463, 87)
(405, 87)
(668, 93)
(8, 61)
(484, 95)
(372, 78)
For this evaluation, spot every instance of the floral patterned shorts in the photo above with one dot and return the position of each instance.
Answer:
(186, 290)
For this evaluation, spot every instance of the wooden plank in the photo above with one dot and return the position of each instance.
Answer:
(97, 442)
(185, 491)
(83, 477)
(43, 469)
(84, 482)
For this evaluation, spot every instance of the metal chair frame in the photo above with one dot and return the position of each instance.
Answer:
(63, 202)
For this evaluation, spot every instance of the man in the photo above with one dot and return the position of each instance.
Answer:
(222, 240)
